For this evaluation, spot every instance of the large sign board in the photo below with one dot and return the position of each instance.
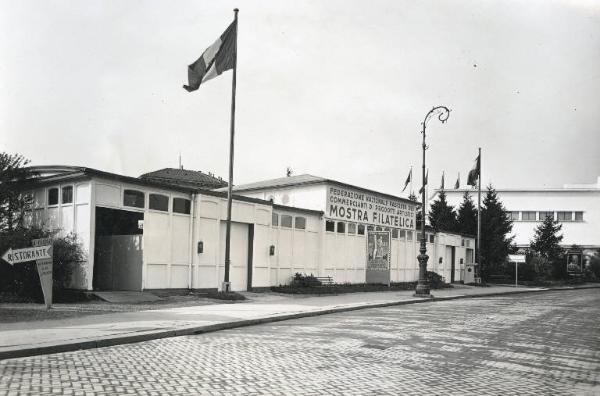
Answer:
(574, 262)
(378, 257)
(348, 204)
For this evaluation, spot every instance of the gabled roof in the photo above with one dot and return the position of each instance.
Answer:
(303, 180)
(56, 174)
(185, 177)
(280, 182)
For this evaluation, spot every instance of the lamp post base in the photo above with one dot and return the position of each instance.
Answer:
(226, 287)
(422, 291)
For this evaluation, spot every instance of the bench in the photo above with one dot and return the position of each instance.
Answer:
(325, 280)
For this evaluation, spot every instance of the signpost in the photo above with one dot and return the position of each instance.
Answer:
(517, 259)
(41, 252)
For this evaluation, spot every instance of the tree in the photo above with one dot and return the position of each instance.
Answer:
(495, 227)
(442, 216)
(419, 215)
(466, 219)
(13, 203)
(546, 239)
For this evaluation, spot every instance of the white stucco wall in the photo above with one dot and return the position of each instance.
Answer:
(585, 233)
(306, 197)
(166, 243)
(170, 240)
(66, 218)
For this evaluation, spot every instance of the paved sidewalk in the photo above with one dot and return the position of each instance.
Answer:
(51, 336)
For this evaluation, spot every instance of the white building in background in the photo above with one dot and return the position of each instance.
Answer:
(575, 206)
(166, 229)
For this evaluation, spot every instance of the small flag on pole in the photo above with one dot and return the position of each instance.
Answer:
(407, 179)
(426, 177)
(215, 60)
(474, 173)
(457, 184)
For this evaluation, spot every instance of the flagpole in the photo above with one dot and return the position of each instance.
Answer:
(479, 216)
(411, 177)
(226, 284)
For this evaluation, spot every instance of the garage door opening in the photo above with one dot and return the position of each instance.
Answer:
(118, 250)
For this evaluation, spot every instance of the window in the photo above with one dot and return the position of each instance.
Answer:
(462, 242)
(370, 228)
(53, 196)
(402, 234)
(275, 219)
(181, 205)
(133, 198)
(361, 229)
(578, 216)
(330, 226)
(300, 223)
(543, 215)
(468, 243)
(431, 238)
(409, 235)
(67, 194)
(395, 233)
(286, 221)
(461, 261)
(352, 228)
(158, 202)
(378, 228)
(514, 216)
(528, 216)
(341, 227)
(564, 216)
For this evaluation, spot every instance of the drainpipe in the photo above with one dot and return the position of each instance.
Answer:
(191, 233)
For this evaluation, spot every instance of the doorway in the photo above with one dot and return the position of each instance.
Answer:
(453, 265)
(241, 252)
(118, 252)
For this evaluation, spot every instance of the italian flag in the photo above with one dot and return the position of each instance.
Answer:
(215, 60)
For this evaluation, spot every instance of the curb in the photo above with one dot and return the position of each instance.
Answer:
(194, 330)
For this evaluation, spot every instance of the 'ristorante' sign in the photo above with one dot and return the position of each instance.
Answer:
(353, 205)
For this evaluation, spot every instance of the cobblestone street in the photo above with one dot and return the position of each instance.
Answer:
(531, 344)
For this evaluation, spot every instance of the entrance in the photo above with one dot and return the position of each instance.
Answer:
(240, 267)
(118, 253)
(450, 258)
(453, 265)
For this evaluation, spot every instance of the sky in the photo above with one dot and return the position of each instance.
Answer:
(331, 88)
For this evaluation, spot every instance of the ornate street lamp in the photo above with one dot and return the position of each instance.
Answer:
(422, 290)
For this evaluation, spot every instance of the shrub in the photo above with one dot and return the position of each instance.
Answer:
(436, 281)
(593, 269)
(528, 271)
(68, 255)
(303, 280)
(558, 268)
